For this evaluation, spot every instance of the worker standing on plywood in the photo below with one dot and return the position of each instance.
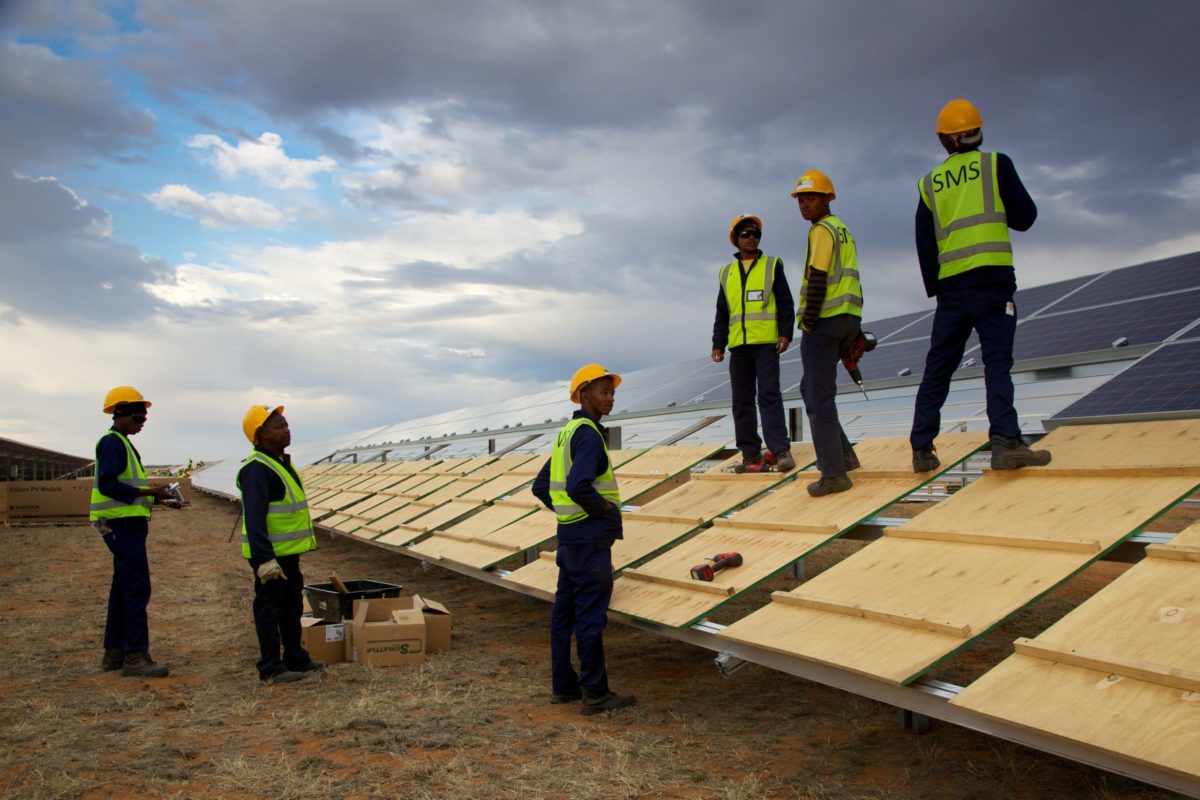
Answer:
(965, 209)
(831, 303)
(578, 485)
(276, 529)
(754, 320)
(120, 512)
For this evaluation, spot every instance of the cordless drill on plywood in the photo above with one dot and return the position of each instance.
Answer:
(706, 571)
(863, 343)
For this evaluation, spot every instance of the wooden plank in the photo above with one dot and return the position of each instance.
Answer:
(689, 585)
(693, 521)
(1111, 472)
(798, 527)
(1164, 675)
(664, 462)
(488, 519)
(909, 531)
(866, 612)
(1163, 443)
(1177, 553)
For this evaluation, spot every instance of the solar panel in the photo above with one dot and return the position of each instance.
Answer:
(1165, 381)
(896, 326)
(1143, 321)
(1180, 272)
(1035, 298)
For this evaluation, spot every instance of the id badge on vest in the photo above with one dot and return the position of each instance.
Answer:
(754, 296)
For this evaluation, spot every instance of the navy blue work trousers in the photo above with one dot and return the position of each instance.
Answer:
(278, 606)
(754, 369)
(585, 586)
(820, 352)
(991, 313)
(127, 627)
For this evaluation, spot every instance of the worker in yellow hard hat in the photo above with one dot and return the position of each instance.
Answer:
(276, 530)
(831, 303)
(120, 511)
(965, 209)
(577, 483)
(754, 321)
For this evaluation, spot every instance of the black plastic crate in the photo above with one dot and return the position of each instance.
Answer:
(330, 604)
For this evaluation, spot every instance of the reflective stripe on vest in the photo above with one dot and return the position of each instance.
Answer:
(843, 287)
(134, 476)
(289, 525)
(565, 508)
(968, 215)
(751, 321)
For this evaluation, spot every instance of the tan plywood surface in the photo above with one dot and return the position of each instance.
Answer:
(506, 465)
(663, 462)
(892, 609)
(1139, 445)
(485, 549)
(1121, 672)
(498, 487)
(444, 515)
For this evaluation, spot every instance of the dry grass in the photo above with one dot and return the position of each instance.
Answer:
(470, 723)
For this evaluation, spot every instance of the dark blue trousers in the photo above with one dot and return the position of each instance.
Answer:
(989, 311)
(820, 353)
(127, 627)
(278, 606)
(754, 368)
(585, 585)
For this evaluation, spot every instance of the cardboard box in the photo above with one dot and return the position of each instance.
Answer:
(49, 501)
(387, 632)
(437, 623)
(324, 640)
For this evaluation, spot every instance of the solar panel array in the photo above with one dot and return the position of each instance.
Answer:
(1167, 381)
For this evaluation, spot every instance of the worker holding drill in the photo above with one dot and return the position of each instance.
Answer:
(578, 485)
(965, 210)
(754, 320)
(276, 529)
(831, 305)
(120, 511)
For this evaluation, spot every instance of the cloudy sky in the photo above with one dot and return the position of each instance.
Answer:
(374, 210)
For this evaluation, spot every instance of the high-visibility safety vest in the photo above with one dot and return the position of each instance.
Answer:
(843, 289)
(968, 214)
(560, 466)
(751, 302)
(289, 525)
(134, 476)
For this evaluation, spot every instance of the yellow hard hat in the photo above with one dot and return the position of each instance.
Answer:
(813, 182)
(255, 417)
(121, 395)
(958, 116)
(737, 223)
(586, 374)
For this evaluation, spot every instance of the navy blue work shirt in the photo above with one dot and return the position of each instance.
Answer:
(110, 463)
(589, 460)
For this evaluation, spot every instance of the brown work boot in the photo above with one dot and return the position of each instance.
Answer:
(1013, 454)
(840, 483)
(850, 458)
(113, 660)
(925, 460)
(286, 676)
(609, 701)
(140, 665)
(570, 697)
(784, 461)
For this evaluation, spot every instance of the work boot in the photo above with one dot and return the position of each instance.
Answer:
(850, 458)
(757, 463)
(314, 666)
(1013, 454)
(140, 665)
(840, 483)
(286, 676)
(569, 697)
(599, 703)
(784, 461)
(114, 659)
(925, 460)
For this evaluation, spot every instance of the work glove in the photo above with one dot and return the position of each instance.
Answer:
(269, 571)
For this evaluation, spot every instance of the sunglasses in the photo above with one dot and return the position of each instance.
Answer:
(750, 233)
(138, 417)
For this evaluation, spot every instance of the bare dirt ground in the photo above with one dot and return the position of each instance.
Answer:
(473, 722)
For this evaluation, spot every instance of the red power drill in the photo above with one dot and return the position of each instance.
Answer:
(705, 571)
(863, 343)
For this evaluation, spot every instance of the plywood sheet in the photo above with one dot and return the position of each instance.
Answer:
(486, 549)
(901, 604)
(1125, 445)
(444, 515)
(663, 462)
(1120, 671)
(498, 487)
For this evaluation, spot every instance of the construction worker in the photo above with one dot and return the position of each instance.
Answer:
(964, 211)
(754, 320)
(578, 485)
(120, 511)
(276, 529)
(831, 305)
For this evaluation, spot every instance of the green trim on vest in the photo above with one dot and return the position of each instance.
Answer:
(751, 321)
(968, 215)
(105, 507)
(565, 508)
(289, 525)
(843, 287)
